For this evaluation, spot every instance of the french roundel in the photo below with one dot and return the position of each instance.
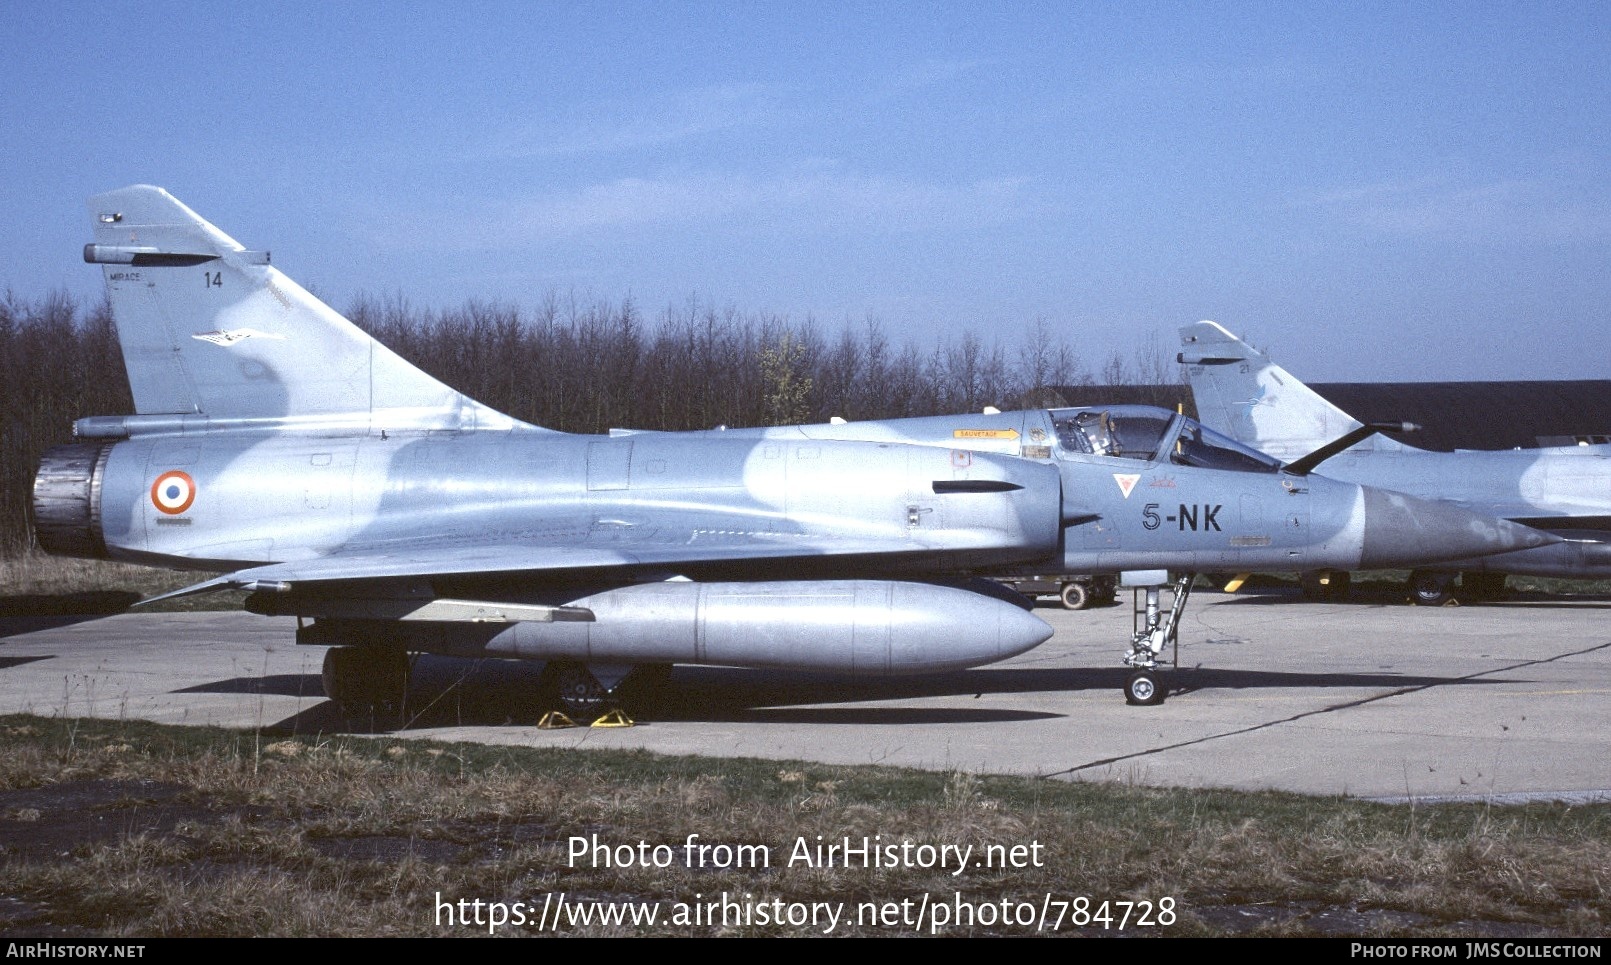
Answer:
(173, 492)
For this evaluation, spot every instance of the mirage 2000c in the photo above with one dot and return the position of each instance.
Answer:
(1565, 490)
(277, 444)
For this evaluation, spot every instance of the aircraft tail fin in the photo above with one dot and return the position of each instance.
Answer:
(210, 329)
(1244, 395)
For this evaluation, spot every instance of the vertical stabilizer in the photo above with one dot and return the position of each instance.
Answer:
(1241, 393)
(211, 329)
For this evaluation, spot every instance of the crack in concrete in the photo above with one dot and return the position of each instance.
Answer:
(1398, 692)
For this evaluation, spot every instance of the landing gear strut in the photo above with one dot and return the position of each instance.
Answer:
(1154, 632)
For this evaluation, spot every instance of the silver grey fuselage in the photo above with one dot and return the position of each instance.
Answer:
(282, 446)
(1563, 490)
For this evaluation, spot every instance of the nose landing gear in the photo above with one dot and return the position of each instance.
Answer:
(1154, 630)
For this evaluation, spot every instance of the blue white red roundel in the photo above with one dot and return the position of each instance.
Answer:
(173, 492)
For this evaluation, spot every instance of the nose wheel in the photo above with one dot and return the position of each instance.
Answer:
(1143, 689)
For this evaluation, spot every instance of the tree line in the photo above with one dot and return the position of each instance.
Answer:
(578, 365)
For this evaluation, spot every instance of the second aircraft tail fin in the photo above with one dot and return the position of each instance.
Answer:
(211, 330)
(1241, 393)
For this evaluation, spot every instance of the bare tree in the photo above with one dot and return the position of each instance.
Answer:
(1155, 365)
(1115, 371)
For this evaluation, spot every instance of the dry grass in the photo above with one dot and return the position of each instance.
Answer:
(40, 574)
(35, 583)
(132, 829)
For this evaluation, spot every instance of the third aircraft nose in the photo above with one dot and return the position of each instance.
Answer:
(1404, 530)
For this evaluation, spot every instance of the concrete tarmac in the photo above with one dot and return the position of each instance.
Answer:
(1507, 701)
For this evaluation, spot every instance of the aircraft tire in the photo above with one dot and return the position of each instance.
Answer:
(1430, 588)
(1075, 596)
(1143, 689)
(580, 693)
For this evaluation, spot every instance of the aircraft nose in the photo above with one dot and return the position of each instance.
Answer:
(1403, 530)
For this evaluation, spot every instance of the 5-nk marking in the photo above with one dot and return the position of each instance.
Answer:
(1187, 517)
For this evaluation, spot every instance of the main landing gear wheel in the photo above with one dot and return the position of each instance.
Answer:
(369, 682)
(1431, 588)
(1075, 596)
(580, 693)
(1143, 689)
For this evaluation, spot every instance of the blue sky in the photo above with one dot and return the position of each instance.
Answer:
(1372, 191)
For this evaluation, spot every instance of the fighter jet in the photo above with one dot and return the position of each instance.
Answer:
(1564, 490)
(279, 445)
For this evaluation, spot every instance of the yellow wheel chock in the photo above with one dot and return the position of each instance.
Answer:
(555, 720)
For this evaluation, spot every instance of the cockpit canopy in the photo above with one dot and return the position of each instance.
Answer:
(1151, 434)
